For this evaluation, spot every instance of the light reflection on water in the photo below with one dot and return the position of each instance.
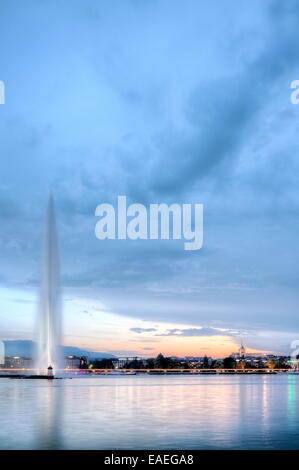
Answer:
(151, 412)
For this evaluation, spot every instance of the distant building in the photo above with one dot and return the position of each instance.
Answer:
(121, 362)
(242, 352)
(72, 362)
(76, 362)
(17, 362)
(84, 362)
(199, 361)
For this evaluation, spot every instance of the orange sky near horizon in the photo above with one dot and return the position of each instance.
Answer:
(91, 325)
(215, 347)
(120, 335)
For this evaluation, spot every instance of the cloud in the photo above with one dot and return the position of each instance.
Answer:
(24, 301)
(142, 330)
(199, 332)
(224, 113)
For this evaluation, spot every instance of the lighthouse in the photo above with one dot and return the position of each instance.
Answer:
(50, 373)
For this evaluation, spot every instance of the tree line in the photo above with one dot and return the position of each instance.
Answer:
(162, 362)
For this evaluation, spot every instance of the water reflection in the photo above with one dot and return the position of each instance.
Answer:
(49, 411)
(151, 412)
(292, 401)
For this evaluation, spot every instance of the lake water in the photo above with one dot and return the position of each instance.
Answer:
(151, 412)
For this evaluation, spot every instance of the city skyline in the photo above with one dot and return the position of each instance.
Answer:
(25, 350)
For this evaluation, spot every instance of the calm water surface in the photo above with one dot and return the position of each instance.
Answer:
(151, 412)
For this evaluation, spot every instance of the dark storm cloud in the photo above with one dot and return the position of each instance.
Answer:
(223, 113)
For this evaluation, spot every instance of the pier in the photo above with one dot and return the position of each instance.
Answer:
(26, 373)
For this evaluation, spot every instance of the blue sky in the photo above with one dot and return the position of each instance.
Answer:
(164, 102)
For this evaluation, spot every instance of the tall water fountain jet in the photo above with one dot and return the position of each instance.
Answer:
(49, 315)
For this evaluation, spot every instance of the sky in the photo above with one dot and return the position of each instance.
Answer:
(164, 102)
